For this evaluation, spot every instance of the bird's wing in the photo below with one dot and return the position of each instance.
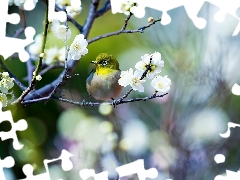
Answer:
(89, 79)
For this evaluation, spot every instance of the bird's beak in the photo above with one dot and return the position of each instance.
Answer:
(94, 62)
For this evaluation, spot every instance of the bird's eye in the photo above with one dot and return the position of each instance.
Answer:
(104, 62)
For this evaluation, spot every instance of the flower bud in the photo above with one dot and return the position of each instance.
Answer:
(150, 19)
(38, 77)
(41, 55)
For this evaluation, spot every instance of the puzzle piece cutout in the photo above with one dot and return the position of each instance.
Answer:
(66, 165)
(137, 167)
(227, 26)
(236, 89)
(29, 5)
(192, 8)
(227, 133)
(87, 173)
(28, 171)
(21, 125)
(227, 7)
(61, 16)
(219, 158)
(7, 162)
(9, 45)
(230, 175)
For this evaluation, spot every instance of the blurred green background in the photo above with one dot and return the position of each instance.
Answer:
(177, 134)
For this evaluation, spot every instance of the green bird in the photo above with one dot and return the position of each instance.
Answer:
(102, 83)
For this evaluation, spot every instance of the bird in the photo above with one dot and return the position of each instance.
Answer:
(102, 83)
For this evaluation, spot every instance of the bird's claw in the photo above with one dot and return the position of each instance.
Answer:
(83, 103)
(114, 103)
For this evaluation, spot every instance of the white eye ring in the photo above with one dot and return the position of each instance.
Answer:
(104, 62)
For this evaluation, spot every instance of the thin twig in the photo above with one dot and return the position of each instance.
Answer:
(73, 21)
(83, 103)
(64, 77)
(92, 104)
(30, 69)
(50, 95)
(113, 34)
(11, 75)
(71, 64)
(103, 10)
(50, 67)
(33, 82)
(123, 30)
(23, 25)
(126, 21)
(125, 95)
(148, 67)
(91, 17)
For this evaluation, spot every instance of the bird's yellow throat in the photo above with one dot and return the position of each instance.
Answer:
(104, 71)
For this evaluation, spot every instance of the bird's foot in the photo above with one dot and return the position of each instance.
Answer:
(84, 103)
(114, 103)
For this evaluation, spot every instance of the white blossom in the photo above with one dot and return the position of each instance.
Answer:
(35, 48)
(161, 84)
(125, 77)
(62, 54)
(126, 7)
(54, 55)
(155, 62)
(136, 83)
(6, 82)
(137, 7)
(73, 11)
(78, 48)
(132, 79)
(62, 3)
(3, 87)
(3, 99)
(60, 31)
(5, 75)
(73, 7)
(38, 77)
(51, 55)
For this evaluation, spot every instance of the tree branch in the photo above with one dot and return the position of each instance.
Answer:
(52, 66)
(92, 104)
(30, 69)
(123, 30)
(44, 93)
(73, 21)
(83, 103)
(23, 25)
(11, 75)
(33, 82)
(71, 64)
(126, 21)
(103, 10)
(91, 17)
